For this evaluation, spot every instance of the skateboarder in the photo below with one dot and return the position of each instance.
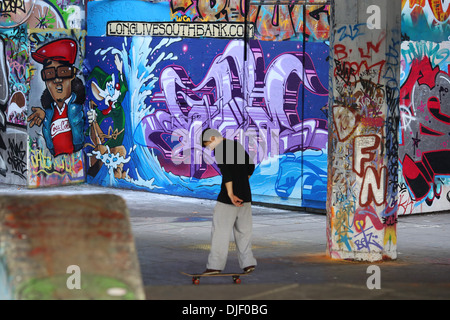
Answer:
(233, 209)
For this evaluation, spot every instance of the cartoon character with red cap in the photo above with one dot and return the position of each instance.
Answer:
(61, 115)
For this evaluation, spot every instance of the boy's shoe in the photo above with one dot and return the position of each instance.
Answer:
(211, 272)
(249, 269)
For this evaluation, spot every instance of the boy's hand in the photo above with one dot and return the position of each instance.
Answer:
(236, 201)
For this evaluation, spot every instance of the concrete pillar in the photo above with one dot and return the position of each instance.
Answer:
(363, 129)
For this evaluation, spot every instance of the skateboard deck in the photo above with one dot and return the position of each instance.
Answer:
(196, 276)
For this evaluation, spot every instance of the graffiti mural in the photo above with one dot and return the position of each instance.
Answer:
(272, 22)
(146, 111)
(14, 90)
(43, 14)
(28, 154)
(56, 115)
(424, 135)
(425, 122)
(425, 20)
(14, 12)
(107, 120)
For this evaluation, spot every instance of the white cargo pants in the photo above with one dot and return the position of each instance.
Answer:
(228, 217)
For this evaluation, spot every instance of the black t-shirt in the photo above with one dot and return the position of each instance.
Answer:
(235, 165)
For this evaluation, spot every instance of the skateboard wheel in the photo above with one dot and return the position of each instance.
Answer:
(237, 280)
(196, 281)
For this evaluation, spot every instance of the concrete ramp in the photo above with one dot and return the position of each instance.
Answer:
(67, 247)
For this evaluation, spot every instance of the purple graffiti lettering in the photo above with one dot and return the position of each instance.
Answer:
(367, 240)
(267, 124)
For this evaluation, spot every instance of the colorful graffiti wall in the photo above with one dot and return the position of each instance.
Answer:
(424, 151)
(27, 154)
(425, 20)
(14, 90)
(194, 65)
(272, 22)
(149, 97)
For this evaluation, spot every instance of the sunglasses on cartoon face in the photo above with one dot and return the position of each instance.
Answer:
(61, 72)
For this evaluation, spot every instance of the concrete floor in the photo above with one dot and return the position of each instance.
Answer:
(172, 234)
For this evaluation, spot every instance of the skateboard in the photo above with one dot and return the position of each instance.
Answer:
(196, 276)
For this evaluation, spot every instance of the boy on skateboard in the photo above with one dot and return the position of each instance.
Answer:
(233, 209)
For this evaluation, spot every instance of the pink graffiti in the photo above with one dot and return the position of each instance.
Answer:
(360, 219)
